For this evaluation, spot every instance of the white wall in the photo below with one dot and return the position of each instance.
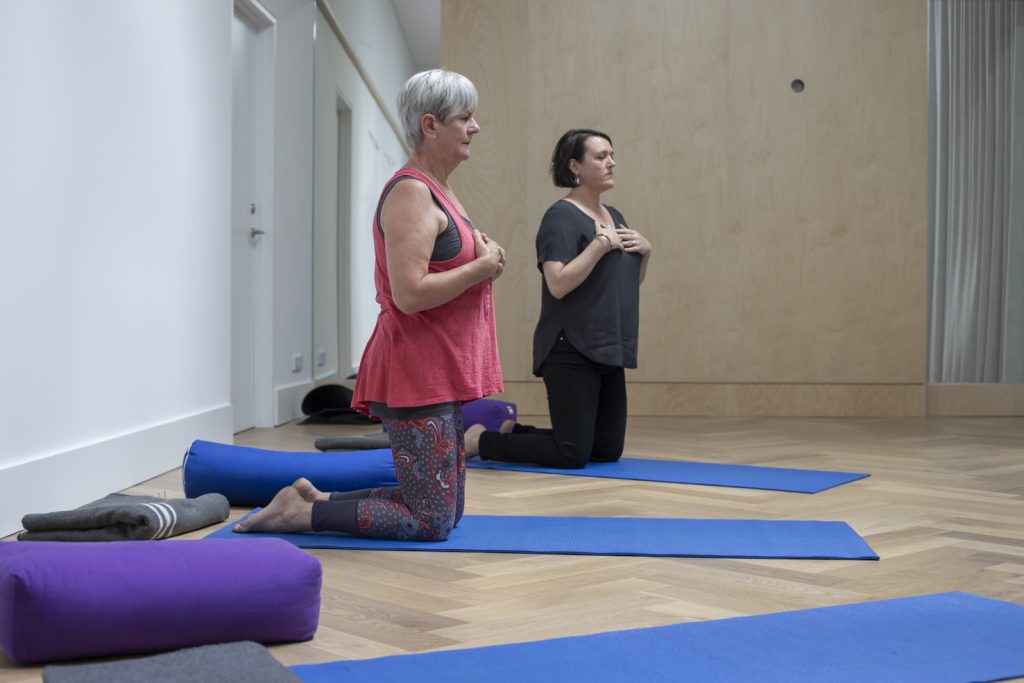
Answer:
(114, 218)
(293, 202)
(373, 30)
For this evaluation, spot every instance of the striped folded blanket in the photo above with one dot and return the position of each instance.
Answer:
(120, 517)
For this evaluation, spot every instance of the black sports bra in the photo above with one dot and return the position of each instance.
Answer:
(448, 244)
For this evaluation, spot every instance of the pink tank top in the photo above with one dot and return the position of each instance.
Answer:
(446, 353)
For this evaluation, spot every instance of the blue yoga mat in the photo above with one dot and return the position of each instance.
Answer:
(252, 476)
(706, 474)
(619, 536)
(948, 637)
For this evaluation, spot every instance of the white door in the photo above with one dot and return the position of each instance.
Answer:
(246, 225)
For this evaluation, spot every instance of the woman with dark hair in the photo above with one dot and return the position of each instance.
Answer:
(592, 265)
(434, 346)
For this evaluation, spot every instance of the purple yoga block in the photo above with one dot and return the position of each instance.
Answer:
(489, 412)
(74, 600)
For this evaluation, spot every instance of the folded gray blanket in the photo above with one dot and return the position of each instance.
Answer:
(243, 661)
(353, 443)
(120, 517)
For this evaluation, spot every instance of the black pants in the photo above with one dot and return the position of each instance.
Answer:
(587, 403)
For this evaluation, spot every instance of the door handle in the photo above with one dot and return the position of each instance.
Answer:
(256, 232)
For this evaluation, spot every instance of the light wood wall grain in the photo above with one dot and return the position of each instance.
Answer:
(990, 400)
(671, 399)
(789, 229)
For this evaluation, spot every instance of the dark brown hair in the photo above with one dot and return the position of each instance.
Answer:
(571, 146)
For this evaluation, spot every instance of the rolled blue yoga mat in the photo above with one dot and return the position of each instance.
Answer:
(618, 536)
(946, 637)
(701, 473)
(251, 476)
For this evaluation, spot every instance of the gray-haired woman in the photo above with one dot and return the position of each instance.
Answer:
(434, 346)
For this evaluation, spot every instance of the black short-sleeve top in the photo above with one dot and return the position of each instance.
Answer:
(601, 316)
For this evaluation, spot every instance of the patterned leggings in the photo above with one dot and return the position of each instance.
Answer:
(430, 464)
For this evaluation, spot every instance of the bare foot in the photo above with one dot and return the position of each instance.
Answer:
(309, 493)
(287, 513)
(473, 440)
(506, 426)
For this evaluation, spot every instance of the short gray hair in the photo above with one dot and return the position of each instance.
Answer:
(445, 94)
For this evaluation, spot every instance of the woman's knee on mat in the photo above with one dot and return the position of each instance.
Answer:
(571, 456)
(435, 527)
(435, 516)
(607, 448)
(605, 451)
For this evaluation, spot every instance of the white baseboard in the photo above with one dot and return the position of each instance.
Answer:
(66, 480)
(289, 401)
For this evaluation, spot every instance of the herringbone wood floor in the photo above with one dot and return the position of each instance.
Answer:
(944, 508)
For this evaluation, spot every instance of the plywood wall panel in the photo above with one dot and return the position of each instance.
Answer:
(484, 40)
(992, 400)
(763, 400)
(789, 229)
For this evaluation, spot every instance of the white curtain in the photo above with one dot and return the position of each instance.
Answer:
(976, 213)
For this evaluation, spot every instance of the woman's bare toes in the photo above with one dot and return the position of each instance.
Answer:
(287, 513)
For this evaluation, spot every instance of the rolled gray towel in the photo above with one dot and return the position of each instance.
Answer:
(120, 517)
(353, 443)
(242, 661)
